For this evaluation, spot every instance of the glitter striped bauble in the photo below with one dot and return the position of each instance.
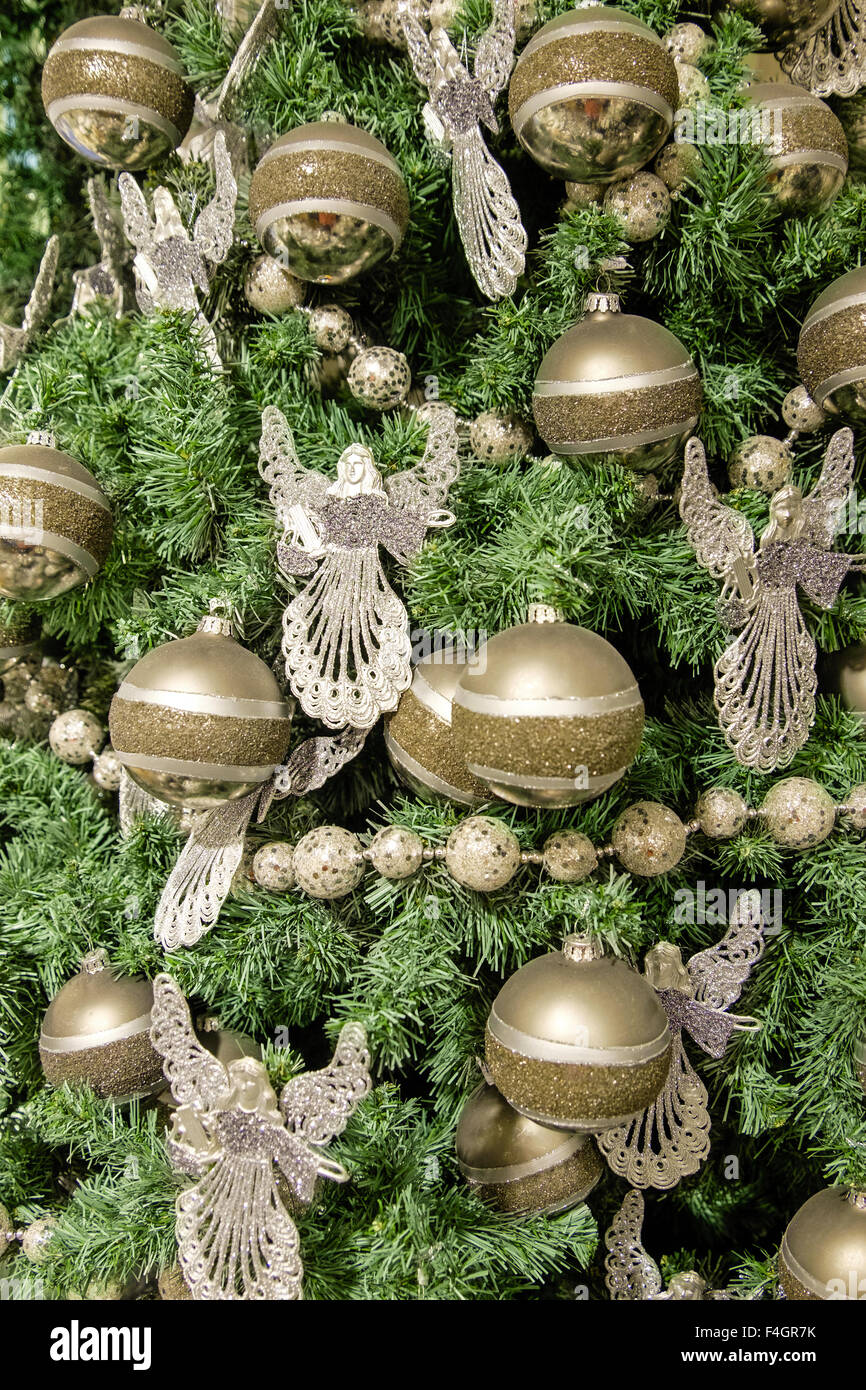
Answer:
(18, 639)
(831, 352)
(823, 1252)
(96, 1032)
(201, 720)
(115, 90)
(617, 388)
(55, 521)
(577, 1040)
(420, 739)
(329, 202)
(593, 94)
(519, 1166)
(808, 152)
(550, 714)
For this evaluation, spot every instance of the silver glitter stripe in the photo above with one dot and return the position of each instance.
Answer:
(557, 95)
(107, 1035)
(543, 1050)
(592, 26)
(425, 776)
(344, 207)
(849, 301)
(626, 441)
(515, 1171)
(343, 146)
(50, 540)
(597, 784)
(224, 772)
(812, 1284)
(577, 1125)
(130, 109)
(130, 47)
(832, 383)
(564, 707)
(432, 700)
(825, 157)
(230, 706)
(44, 475)
(665, 376)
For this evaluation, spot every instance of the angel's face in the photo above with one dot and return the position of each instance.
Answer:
(665, 970)
(786, 506)
(251, 1089)
(356, 472)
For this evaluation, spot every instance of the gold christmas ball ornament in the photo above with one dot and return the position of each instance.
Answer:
(617, 388)
(806, 145)
(823, 1252)
(331, 327)
(500, 438)
(96, 1031)
(786, 21)
(519, 1166)
(551, 716)
(76, 736)
(200, 720)
(798, 813)
(18, 640)
(329, 202)
(115, 91)
(648, 839)
(851, 679)
(419, 736)
(678, 165)
(578, 1040)
(592, 95)
(55, 521)
(271, 289)
(482, 854)
(831, 352)
(800, 412)
(760, 462)
(641, 206)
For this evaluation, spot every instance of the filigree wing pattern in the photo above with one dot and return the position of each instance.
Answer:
(194, 1074)
(671, 1139)
(316, 760)
(718, 535)
(421, 54)
(823, 505)
(494, 56)
(830, 61)
(43, 287)
(719, 973)
(424, 488)
(113, 246)
(215, 224)
(630, 1273)
(289, 483)
(200, 881)
(488, 217)
(317, 1105)
(137, 223)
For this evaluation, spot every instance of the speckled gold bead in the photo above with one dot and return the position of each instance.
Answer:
(855, 803)
(107, 770)
(331, 327)
(641, 206)
(271, 289)
(273, 866)
(760, 462)
(805, 143)
(328, 862)
(686, 43)
(800, 412)
(831, 351)
(482, 853)
(798, 813)
(823, 1251)
(8, 1243)
(380, 378)
(648, 839)
(396, 852)
(569, 856)
(722, 813)
(115, 90)
(37, 1238)
(500, 438)
(678, 165)
(171, 1285)
(582, 195)
(75, 736)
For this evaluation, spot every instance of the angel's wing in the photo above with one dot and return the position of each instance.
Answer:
(494, 56)
(195, 1076)
(43, 287)
(421, 54)
(488, 217)
(718, 534)
(423, 489)
(113, 246)
(719, 973)
(671, 1139)
(318, 1104)
(316, 760)
(289, 482)
(214, 225)
(823, 504)
(200, 881)
(250, 50)
(630, 1273)
(136, 217)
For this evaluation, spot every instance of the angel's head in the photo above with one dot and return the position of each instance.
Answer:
(786, 515)
(357, 474)
(664, 968)
(251, 1089)
(688, 1285)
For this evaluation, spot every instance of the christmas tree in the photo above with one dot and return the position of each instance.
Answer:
(384, 343)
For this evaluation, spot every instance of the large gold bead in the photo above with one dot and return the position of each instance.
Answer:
(115, 91)
(823, 1252)
(520, 1166)
(578, 1041)
(593, 94)
(831, 352)
(419, 736)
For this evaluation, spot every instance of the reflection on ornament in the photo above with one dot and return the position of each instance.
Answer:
(823, 1252)
(831, 352)
(805, 144)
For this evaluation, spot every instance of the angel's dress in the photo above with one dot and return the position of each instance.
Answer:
(178, 268)
(765, 680)
(235, 1238)
(346, 635)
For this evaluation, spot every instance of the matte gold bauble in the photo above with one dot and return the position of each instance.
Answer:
(55, 521)
(520, 1166)
(578, 1040)
(420, 739)
(806, 145)
(329, 202)
(617, 388)
(593, 94)
(823, 1253)
(201, 720)
(96, 1031)
(115, 91)
(851, 679)
(831, 352)
(549, 715)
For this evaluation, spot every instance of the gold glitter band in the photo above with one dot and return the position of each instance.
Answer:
(164, 733)
(130, 47)
(428, 780)
(550, 1191)
(597, 58)
(292, 176)
(66, 517)
(197, 703)
(812, 130)
(804, 1285)
(650, 412)
(124, 1069)
(155, 89)
(600, 744)
(60, 480)
(833, 343)
(414, 733)
(316, 144)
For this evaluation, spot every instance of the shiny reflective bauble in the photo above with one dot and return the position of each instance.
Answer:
(786, 21)
(806, 144)
(115, 91)
(329, 202)
(823, 1252)
(831, 352)
(593, 94)
(420, 740)
(18, 637)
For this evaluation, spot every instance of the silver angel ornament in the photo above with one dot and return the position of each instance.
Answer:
(14, 342)
(346, 634)
(488, 217)
(249, 1154)
(170, 266)
(105, 282)
(765, 680)
(671, 1138)
(631, 1274)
